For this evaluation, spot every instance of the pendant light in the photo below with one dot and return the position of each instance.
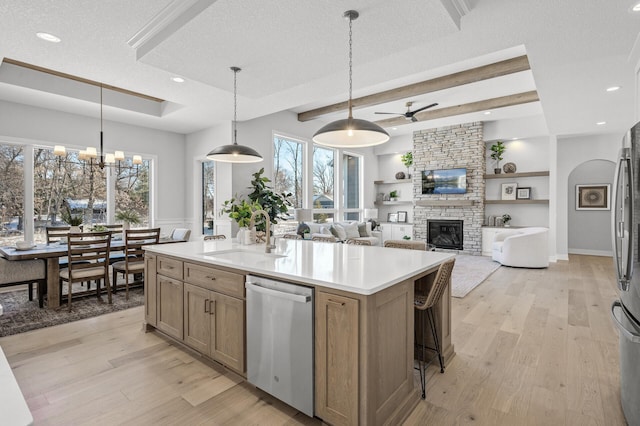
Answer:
(234, 153)
(351, 132)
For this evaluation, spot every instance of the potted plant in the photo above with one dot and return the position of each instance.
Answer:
(407, 160)
(506, 218)
(273, 203)
(74, 221)
(239, 210)
(406, 237)
(393, 195)
(497, 149)
(128, 217)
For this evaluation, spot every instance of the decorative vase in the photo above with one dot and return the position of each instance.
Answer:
(240, 235)
(74, 229)
(497, 170)
(400, 175)
(126, 225)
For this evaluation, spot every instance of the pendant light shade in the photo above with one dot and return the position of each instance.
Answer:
(351, 132)
(234, 153)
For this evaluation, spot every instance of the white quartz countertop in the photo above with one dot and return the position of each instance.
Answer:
(13, 408)
(356, 269)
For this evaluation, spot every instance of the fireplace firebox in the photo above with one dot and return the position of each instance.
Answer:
(446, 234)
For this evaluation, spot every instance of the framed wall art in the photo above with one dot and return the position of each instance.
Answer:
(392, 217)
(523, 193)
(402, 216)
(509, 191)
(593, 197)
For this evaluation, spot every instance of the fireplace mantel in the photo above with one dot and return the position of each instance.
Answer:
(443, 203)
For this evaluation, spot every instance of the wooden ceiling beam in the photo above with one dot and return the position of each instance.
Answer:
(487, 104)
(485, 72)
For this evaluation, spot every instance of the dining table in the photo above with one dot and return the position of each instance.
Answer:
(51, 253)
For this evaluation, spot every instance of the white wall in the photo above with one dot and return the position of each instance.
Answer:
(589, 231)
(48, 127)
(573, 151)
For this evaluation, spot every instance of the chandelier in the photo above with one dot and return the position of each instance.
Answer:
(90, 154)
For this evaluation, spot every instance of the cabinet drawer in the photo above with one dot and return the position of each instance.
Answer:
(215, 279)
(169, 267)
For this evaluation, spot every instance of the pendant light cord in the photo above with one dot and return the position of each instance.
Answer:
(350, 63)
(235, 104)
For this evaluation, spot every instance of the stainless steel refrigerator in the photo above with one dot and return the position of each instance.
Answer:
(626, 255)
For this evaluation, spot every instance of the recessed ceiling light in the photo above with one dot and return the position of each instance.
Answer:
(636, 8)
(177, 79)
(48, 37)
(487, 112)
(601, 123)
(613, 88)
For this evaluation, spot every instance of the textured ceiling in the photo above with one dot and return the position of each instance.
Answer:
(294, 56)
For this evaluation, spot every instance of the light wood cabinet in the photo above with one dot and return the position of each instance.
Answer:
(170, 306)
(214, 323)
(336, 350)
(150, 306)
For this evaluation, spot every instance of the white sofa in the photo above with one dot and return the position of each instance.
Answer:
(350, 230)
(523, 247)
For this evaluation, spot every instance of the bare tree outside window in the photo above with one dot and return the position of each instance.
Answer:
(288, 173)
(208, 197)
(323, 178)
(11, 193)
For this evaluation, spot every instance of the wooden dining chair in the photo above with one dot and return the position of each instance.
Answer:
(424, 304)
(88, 255)
(214, 237)
(133, 263)
(56, 233)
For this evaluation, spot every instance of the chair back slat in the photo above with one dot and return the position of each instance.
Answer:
(55, 233)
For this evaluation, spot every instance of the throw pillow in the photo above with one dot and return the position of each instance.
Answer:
(338, 232)
(351, 230)
(362, 229)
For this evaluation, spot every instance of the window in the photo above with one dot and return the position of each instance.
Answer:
(132, 190)
(323, 184)
(208, 199)
(288, 169)
(11, 194)
(351, 186)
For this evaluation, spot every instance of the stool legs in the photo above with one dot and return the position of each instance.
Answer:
(429, 317)
(434, 332)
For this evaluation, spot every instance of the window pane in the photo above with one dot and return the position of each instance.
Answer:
(208, 200)
(288, 168)
(352, 216)
(132, 190)
(323, 217)
(351, 182)
(11, 194)
(323, 177)
(62, 183)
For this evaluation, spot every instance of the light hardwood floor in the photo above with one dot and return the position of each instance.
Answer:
(533, 347)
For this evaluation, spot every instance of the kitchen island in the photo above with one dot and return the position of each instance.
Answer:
(364, 314)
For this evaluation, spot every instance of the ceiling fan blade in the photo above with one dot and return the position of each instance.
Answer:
(414, 119)
(423, 108)
(394, 113)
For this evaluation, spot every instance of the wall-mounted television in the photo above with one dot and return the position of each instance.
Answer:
(447, 181)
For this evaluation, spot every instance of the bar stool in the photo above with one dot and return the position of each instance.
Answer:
(424, 305)
(214, 237)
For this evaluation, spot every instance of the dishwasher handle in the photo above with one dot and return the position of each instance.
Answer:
(276, 293)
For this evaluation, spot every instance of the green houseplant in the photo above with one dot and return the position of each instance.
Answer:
(506, 218)
(70, 219)
(407, 160)
(239, 210)
(275, 204)
(497, 149)
(393, 195)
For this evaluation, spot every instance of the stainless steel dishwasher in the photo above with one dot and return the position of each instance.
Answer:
(280, 340)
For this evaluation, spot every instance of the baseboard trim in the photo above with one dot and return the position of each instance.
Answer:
(605, 253)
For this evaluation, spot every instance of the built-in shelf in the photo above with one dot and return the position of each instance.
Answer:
(443, 203)
(386, 182)
(516, 175)
(516, 201)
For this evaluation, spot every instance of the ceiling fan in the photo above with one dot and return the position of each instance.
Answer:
(409, 115)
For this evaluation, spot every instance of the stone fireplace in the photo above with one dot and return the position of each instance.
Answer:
(445, 234)
(450, 147)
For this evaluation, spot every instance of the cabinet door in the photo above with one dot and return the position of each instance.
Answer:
(386, 232)
(150, 292)
(487, 240)
(227, 334)
(399, 231)
(170, 306)
(337, 359)
(197, 318)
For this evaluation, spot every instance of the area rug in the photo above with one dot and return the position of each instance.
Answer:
(21, 315)
(469, 272)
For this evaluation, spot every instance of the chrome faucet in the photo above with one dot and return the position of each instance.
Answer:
(268, 220)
